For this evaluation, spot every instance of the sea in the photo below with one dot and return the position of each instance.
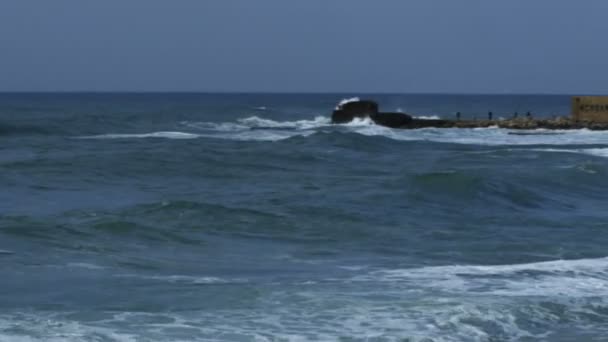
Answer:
(250, 217)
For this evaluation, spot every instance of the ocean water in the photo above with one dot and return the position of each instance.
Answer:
(250, 217)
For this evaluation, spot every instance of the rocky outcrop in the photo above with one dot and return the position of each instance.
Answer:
(360, 109)
(356, 109)
(393, 120)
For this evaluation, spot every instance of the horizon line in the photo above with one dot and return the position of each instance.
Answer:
(258, 92)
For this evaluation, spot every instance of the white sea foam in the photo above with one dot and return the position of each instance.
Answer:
(215, 126)
(428, 117)
(183, 279)
(357, 321)
(345, 101)
(491, 136)
(383, 311)
(257, 122)
(256, 128)
(44, 327)
(166, 135)
(85, 265)
(597, 152)
(571, 278)
(360, 122)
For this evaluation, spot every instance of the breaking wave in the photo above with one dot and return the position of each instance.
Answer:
(533, 301)
(570, 278)
(166, 135)
(256, 128)
(345, 101)
(255, 122)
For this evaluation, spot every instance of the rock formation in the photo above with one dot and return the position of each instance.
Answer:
(351, 109)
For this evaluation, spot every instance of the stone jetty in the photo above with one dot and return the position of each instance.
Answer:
(349, 110)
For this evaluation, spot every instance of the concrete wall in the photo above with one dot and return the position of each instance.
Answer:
(590, 108)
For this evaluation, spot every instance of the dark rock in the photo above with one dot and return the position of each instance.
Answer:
(355, 109)
(393, 120)
(347, 111)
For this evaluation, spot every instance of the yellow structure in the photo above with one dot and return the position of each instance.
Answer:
(590, 108)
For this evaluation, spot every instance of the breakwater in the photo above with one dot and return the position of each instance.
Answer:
(349, 110)
(516, 123)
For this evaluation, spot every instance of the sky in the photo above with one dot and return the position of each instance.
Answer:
(398, 46)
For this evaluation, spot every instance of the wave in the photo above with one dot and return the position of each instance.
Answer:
(184, 279)
(553, 300)
(597, 152)
(166, 135)
(428, 117)
(345, 101)
(256, 128)
(395, 311)
(581, 278)
(491, 136)
(258, 122)
(357, 322)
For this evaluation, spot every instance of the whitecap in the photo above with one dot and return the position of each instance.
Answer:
(183, 279)
(256, 122)
(165, 135)
(573, 278)
(345, 101)
(255, 128)
(490, 136)
(596, 152)
(85, 265)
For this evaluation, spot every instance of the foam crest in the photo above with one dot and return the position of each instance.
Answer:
(316, 316)
(215, 126)
(32, 327)
(85, 266)
(596, 152)
(572, 278)
(184, 279)
(257, 122)
(247, 129)
(165, 135)
(256, 128)
(361, 122)
(345, 101)
(491, 136)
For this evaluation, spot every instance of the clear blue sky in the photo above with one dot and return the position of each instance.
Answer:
(439, 46)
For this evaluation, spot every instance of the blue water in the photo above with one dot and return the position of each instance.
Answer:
(249, 217)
